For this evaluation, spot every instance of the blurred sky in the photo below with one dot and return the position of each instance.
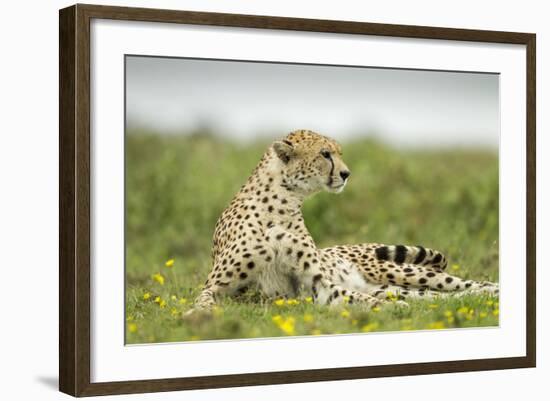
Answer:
(244, 99)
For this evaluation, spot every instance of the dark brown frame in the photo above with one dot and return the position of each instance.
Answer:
(74, 199)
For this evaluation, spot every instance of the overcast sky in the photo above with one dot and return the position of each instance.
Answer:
(244, 99)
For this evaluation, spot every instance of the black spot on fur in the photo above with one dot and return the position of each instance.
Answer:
(400, 253)
(287, 142)
(421, 255)
(382, 253)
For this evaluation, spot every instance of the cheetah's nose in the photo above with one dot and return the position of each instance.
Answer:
(345, 174)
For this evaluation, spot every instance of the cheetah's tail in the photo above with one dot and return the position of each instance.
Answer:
(417, 255)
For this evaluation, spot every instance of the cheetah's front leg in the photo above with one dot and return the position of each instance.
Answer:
(235, 270)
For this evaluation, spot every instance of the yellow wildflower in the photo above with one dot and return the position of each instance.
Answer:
(496, 312)
(436, 325)
(160, 301)
(448, 313)
(346, 299)
(376, 309)
(308, 318)
(463, 310)
(369, 327)
(482, 314)
(169, 263)
(344, 313)
(182, 301)
(279, 302)
(285, 324)
(489, 302)
(455, 267)
(288, 326)
(132, 327)
(450, 319)
(146, 296)
(433, 306)
(309, 300)
(158, 278)
(292, 302)
(174, 311)
(173, 297)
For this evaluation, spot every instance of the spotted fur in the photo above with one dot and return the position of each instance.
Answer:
(261, 241)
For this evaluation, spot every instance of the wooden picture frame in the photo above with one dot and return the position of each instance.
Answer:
(74, 199)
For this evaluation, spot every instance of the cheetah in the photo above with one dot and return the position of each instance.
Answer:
(261, 241)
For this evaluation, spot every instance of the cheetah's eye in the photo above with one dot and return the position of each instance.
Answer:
(325, 154)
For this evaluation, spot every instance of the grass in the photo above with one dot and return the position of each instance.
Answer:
(177, 186)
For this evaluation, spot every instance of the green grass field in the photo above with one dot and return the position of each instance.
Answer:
(176, 187)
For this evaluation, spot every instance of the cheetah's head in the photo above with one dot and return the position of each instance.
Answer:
(311, 162)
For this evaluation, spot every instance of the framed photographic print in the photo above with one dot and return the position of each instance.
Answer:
(251, 200)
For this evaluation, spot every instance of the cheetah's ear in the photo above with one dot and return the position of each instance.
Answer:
(284, 150)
